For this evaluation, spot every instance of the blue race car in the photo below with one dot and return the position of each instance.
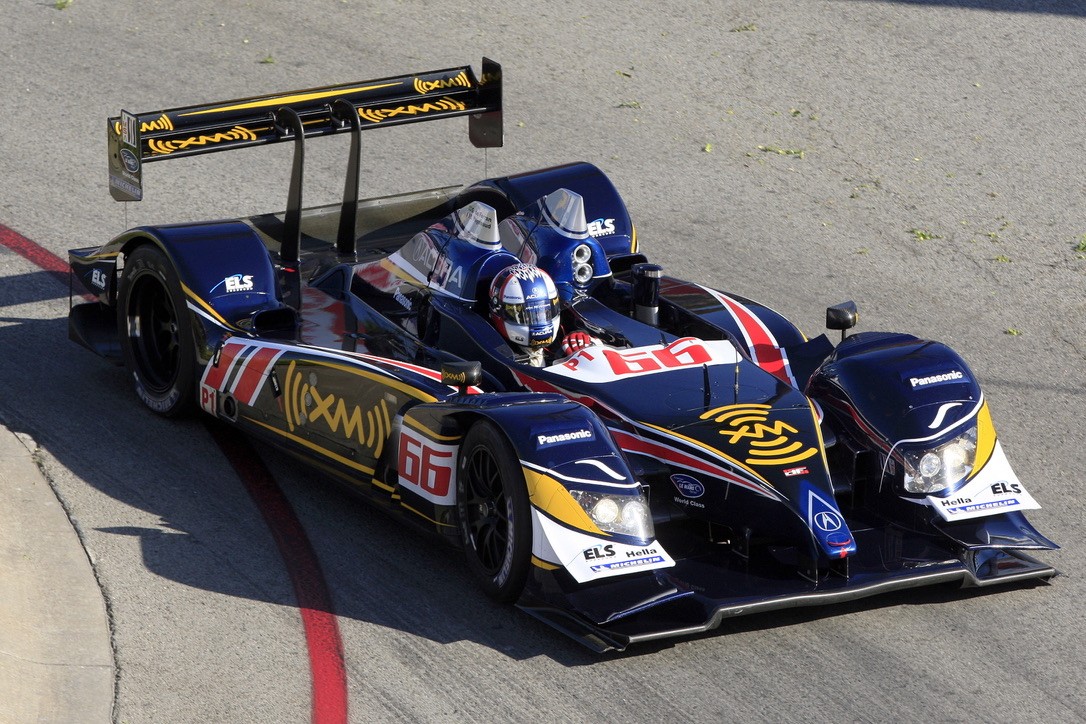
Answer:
(625, 455)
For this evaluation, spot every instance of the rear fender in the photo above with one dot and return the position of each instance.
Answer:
(225, 270)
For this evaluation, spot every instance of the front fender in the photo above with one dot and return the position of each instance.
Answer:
(561, 447)
(895, 387)
(896, 393)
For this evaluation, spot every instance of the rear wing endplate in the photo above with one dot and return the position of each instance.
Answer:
(139, 138)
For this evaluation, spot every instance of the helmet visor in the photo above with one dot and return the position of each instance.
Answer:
(532, 313)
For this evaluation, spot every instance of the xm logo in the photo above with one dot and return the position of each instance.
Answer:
(767, 442)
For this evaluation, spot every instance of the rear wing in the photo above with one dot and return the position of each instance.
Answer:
(139, 138)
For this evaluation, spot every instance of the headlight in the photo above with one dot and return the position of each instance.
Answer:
(929, 471)
(622, 514)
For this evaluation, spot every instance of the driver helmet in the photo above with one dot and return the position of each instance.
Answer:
(524, 306)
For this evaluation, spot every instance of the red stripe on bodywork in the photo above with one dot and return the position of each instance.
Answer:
(633, 444)
(762, 343)
(253, 373)
(215, 375)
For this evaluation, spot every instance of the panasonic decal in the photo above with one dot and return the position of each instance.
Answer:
(952, 376)
(562, 437)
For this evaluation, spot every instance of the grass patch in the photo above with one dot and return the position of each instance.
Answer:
(794, 152)
(924, 235)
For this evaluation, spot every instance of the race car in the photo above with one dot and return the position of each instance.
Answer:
(689, 457)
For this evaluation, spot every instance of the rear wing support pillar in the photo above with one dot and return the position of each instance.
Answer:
(346, 114)
(288, 123)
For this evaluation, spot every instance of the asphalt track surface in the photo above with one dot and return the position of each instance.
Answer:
(921, 158)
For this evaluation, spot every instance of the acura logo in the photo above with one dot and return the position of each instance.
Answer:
(827, 521)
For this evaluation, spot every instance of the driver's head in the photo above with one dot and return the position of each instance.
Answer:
(524, 306)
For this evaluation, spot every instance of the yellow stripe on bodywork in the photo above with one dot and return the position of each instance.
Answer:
(205, 306)
(551, 497)
(380, 484)
(986, 439)
(818, 433)
(96, 257)
(287, 100)
(412, 422)
(312, 446)
(422, 515)
(540, 563)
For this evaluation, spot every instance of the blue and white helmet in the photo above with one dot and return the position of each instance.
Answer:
(524, 306)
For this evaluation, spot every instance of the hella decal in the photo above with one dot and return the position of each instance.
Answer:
(688, 486)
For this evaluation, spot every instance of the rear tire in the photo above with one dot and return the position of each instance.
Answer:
(495, 518)
(156, 333)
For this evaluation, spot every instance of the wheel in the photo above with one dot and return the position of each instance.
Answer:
(495, 520)
(156, 333)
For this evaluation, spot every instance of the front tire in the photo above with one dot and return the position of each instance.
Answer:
(156, 333)
(495, 518)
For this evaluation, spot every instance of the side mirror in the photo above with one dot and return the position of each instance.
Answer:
(461, 375)
(842, 316)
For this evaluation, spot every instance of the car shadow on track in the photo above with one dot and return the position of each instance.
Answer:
(1057, 7)
(211, 537)
(207, 534)
(30, 288)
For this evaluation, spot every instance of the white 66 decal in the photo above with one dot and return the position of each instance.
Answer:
(603, 364)
(426, 467)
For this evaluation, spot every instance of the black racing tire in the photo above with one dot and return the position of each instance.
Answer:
(156, 333)
(495, 518)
